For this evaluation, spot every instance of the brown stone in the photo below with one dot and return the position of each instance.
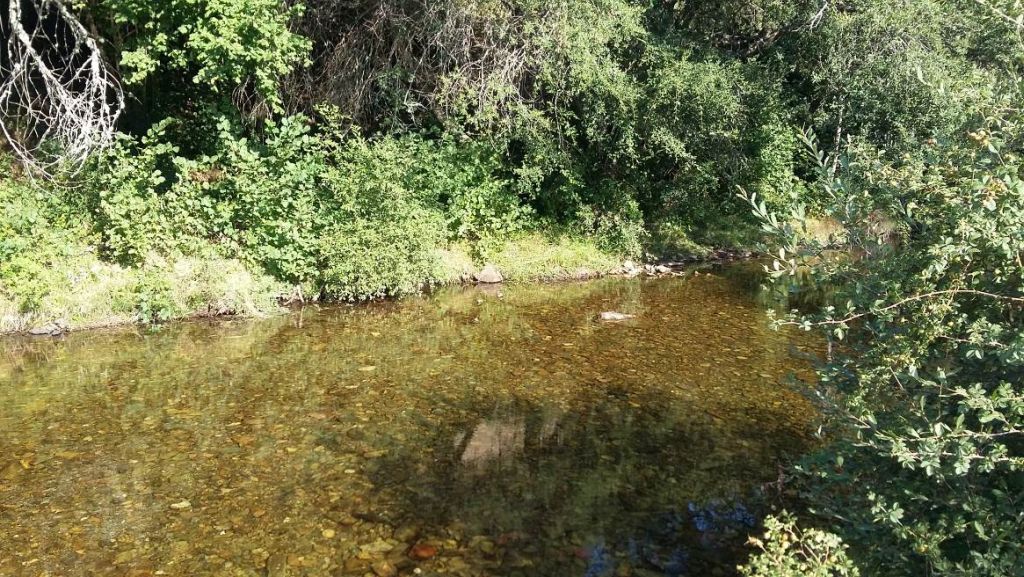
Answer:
(422, 551)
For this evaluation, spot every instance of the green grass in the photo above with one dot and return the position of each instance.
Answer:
(536, 256)
(82, 291)
(85, 292)
(671, 240)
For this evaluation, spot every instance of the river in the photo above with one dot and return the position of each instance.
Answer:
(477, 431)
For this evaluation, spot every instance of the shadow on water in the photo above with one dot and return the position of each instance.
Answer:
(478, 431)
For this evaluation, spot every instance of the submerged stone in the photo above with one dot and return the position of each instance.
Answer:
(422, 551)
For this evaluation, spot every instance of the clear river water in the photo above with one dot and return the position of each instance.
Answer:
(478, 431)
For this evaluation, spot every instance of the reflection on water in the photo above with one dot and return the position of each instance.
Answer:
(500, 432)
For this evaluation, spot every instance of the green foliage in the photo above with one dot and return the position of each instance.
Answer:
(219, 45)
(352, 217)
(34, 240)
(926, 469)
(150, 298)
(50, 270)
(786, 550)
(123, 190)
(467, 179)
(385, 227)
(896, 77)
(373, 257)
(262, 198)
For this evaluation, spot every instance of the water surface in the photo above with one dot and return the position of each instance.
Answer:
(499, 431)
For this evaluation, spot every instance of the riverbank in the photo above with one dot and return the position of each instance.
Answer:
(77, 290)
(63, 268)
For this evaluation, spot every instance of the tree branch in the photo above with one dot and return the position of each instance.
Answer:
(902, 302)
(58, 100)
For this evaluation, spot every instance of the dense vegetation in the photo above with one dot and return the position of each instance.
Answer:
(366, 148)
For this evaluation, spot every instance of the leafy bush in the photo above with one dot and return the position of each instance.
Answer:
(34, 241)
(378, 257)
(384, 224)
(262, 198)
(925, 468)
(786, 550)
(219, 45)
(919, 79)
(467, 180)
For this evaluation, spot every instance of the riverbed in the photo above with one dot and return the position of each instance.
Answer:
(477, 431)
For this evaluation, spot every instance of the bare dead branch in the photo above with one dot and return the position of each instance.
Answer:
(58, 100)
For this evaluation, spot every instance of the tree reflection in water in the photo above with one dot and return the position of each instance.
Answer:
(509, 432)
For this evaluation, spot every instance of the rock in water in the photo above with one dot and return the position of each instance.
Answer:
(384, 569)
(489, 275)
(56, 328)
(614, 316)
(422, 551)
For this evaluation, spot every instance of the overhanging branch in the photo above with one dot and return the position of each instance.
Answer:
(58, 100)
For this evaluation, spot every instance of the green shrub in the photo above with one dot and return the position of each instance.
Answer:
(32, 245)
(125, 189)
(372, 258)
(786, 550)
(385, 225)
(261, 198)
(149, 298)
(617, 226)
(923, 467)
(210, 45)
(479, 202)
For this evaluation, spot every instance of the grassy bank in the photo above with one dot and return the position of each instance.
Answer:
(58, 274)
(54, 275)
(144, 235)
(81, 291)
(78, 290)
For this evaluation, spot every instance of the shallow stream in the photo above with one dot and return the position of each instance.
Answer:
(498, 431)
